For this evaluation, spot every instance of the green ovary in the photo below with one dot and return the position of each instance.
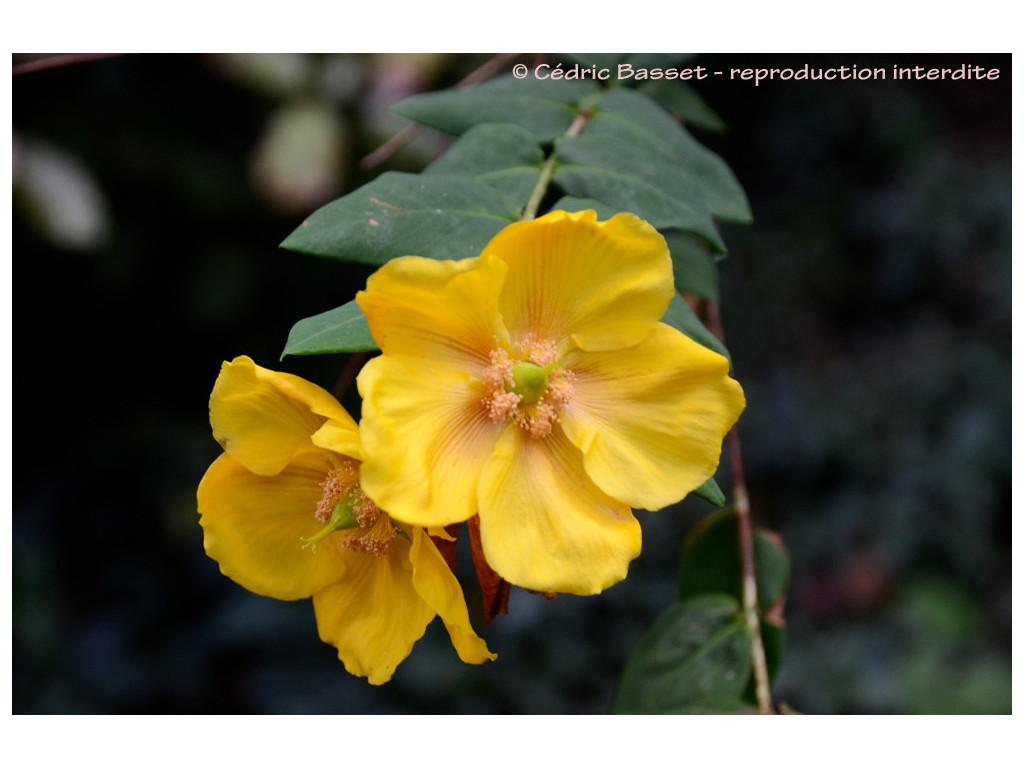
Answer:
(530, 380)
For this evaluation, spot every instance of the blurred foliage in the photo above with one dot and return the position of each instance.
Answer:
(867, 312)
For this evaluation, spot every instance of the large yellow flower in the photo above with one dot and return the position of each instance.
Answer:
(284, 515)
(536, 386)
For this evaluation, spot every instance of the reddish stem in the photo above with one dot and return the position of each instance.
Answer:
(741, 503)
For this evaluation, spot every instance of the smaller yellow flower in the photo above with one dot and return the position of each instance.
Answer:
(284, 515)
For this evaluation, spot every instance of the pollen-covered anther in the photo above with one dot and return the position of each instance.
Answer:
(500, 405)
(496, 377)
(540, 422)
(560, 389)
(336, 486)
(376, 530)
(547, 412)
(541, 352)
(499, 372)
(528, 389)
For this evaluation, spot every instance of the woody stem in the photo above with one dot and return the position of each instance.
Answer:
(399, 140)
(762, 685)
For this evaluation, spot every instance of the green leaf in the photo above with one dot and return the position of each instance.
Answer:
(685, 103)
(711, 564)
(645, 121)
(399, 214)
(623, 177)
(681, 317)
(629, 168)
(711, 493)
(632, 155)
(573, 204)
(694, 659)
(694, 266)
(343, 329)
(773, 638)
(546, 108)
(711, 561)
(501, 155)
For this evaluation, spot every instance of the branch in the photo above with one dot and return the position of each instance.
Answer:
(407, 134)
(741, 502)
(548, 169)
(348, 374)
(61, 60)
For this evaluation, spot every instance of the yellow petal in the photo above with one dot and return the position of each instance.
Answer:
(425, 438)
(439, 532)
(253, 526)
(339, 436)
(263, 417)
(374, 615)
(650, 420)
(437, 585)
(573, 280)
(433, 309)
(545, 526)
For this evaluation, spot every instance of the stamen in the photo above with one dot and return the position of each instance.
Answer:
(542, 352)
(541, 422)
(560, 388)
(501, 405)
(337, 485)
(376, 530)
(499, 372)
(345, 507)
(527, 389)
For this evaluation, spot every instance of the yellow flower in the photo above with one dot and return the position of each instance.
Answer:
(536, 386)
(283, 514)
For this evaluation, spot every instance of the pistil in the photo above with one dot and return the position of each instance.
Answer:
(531, 391)
(345, 507)
(530, 381)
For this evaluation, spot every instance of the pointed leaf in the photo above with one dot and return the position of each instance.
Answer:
(609, 165)
(681, 317)
(694, 266)
(400, 214)
(711, 493)
(343, 329)
(685, 103)
(546, 108)
(573, 204)
(695, 658)
(647, 122)
(501, 155)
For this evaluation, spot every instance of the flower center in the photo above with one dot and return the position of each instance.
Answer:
(529, 380)
(345, 507)
(530, 390)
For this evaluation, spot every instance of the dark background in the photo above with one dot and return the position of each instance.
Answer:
(867, 310)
